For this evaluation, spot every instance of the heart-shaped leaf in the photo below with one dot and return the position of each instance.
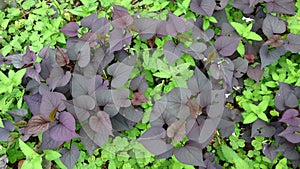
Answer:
(272, 25)
(293, 43)
(70, 29)
(101, 123)
(203, 7)
(227, 45)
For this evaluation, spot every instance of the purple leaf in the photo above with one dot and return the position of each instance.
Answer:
(228, 120)
(285, 98)
(50, 101)
(261, 128)
(29, 56)
(195, 108)
(34, 101)
(227, 45)
(120, 123)
(121, 71)
(203, 7)
(172, 52)
(118, 39)
(121, 17)
(275, 41)
(190, 154)
(293, 43)
(243, 5)
(223, 70)
(48, 142)
(70, 157)
(61, 57)
(291, 133)
(139, 83)
(199, 82)
(65, 130)
(171, 106)
(289, 151)
(240, 67)
(58, 78)
(34, 72)
(152, 140)
(175, 25)
(117, 97)
(98, 138)
(196, 50)
(82, 85)
(15, 59)
(269, 150)
(37, 124)
(221, 4)
(215, 113)
(267, 57)
(281, 6)
(82, 105)
(84, 55)
(254, 2)
(146, 26)
(255, 73)
(272, 25)
(131, 113)
(45, 51)
(101, 27)
(290, 117)
(101, 123)
(89, 21)
(88, 143)
(18, 114)
(70, 29)
(176, 130)
(4, 132)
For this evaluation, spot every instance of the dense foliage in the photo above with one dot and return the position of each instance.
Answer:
(187, 83)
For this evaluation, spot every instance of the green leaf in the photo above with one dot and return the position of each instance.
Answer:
(274, 113)
(186, 4)
(253, 108)
(253, 36)
(263, 116)
(35, 163)
(28, 152)
(241, 48)
(6, 49)
(229, 154)
(4, 79)
(28, 4)
(250, 117)
(17, 77)
(51, 155)
(240, 28)
(282, 164)
(12, 12)
(212, 19)
(272, 84)
(1, 123)
(249, 27)
(240, 163)
(264, 104)
(158, 6)
(162, 74)
(4, 24)
(205, 25)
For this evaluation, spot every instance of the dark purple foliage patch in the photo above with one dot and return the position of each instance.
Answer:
(97, 86)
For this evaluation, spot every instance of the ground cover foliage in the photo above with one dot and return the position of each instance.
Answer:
(155, 84)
